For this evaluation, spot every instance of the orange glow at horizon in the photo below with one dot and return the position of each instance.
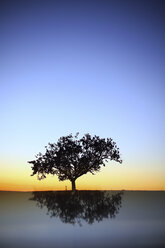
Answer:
(109, 178)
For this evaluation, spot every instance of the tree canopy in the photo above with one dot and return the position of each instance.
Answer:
(72, 157)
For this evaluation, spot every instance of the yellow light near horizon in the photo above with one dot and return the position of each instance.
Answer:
(109, 178)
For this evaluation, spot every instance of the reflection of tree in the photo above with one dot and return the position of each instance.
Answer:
(82, 205)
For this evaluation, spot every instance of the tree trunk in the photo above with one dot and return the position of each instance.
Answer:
(73, 186)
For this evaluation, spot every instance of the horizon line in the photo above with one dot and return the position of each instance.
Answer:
(28, 191)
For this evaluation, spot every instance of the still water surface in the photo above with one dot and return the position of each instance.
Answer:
(94, 219)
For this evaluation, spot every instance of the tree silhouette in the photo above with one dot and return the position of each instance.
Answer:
(71, 157)
(72, 208)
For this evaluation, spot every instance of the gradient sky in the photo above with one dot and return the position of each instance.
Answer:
(83, 66)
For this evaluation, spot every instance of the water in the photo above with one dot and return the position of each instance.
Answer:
(86, 219)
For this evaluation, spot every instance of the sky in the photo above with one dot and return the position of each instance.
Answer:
(93, 66)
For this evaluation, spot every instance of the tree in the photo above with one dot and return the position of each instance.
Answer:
(71, 157)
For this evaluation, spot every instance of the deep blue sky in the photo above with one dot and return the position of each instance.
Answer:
(87, 66)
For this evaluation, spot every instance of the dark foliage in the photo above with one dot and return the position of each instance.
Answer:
(71, 157)
(82, 205)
